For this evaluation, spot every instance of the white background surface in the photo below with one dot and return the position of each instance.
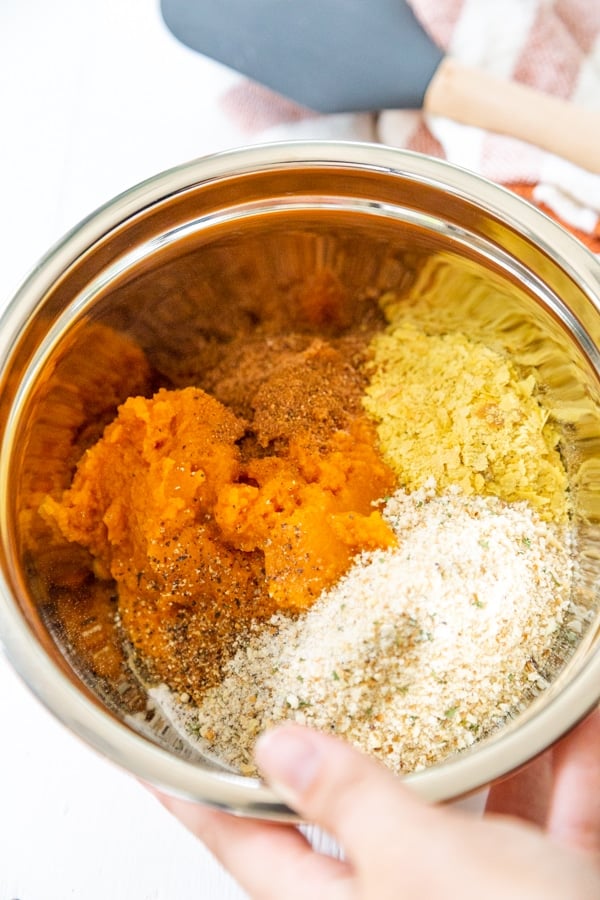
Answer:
(95, 95)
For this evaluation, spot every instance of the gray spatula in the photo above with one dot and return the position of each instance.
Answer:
(353, 55)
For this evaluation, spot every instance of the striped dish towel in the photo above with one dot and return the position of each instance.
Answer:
(552, 45)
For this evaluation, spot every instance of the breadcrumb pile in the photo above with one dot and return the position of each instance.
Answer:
(417, 651)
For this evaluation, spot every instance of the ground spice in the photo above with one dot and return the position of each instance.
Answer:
(202, 538)
(417, 651)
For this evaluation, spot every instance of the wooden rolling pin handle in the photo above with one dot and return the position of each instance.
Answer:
(476, 98)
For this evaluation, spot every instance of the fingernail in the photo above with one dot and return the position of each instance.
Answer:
(289, 761)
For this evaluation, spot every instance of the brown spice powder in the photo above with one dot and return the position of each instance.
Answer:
(208, 522)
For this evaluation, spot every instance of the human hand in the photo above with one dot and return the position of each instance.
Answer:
(540, 837)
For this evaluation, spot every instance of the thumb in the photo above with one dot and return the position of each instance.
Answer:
(330, 783)
(574, 808)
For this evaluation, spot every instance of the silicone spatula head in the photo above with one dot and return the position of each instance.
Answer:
(328, 55)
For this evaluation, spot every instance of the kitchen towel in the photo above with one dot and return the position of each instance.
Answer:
(552, 45)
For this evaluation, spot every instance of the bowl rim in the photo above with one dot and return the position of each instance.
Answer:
(238, 794)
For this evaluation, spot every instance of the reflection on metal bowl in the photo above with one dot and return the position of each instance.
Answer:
(196, 251)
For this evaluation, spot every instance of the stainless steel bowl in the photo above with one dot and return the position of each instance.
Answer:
(159, 259)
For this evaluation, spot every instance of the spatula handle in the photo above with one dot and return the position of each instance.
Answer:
(475, 98)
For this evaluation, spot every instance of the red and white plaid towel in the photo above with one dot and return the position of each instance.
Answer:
(553, 45)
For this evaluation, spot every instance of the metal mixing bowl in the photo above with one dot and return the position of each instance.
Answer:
(159, 259)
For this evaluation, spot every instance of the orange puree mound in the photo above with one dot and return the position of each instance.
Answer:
(201, 542)
(309, 513)
(99, 371)
(158, 467)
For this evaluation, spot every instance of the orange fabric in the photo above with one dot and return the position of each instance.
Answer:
(590, 240)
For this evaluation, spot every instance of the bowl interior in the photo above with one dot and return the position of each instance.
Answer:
(181, 276)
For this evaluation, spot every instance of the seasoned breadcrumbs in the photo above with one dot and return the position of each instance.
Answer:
(428, 645)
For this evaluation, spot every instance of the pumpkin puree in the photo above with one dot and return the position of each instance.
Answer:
(207, 523)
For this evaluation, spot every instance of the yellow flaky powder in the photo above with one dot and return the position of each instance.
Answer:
(451, 408)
